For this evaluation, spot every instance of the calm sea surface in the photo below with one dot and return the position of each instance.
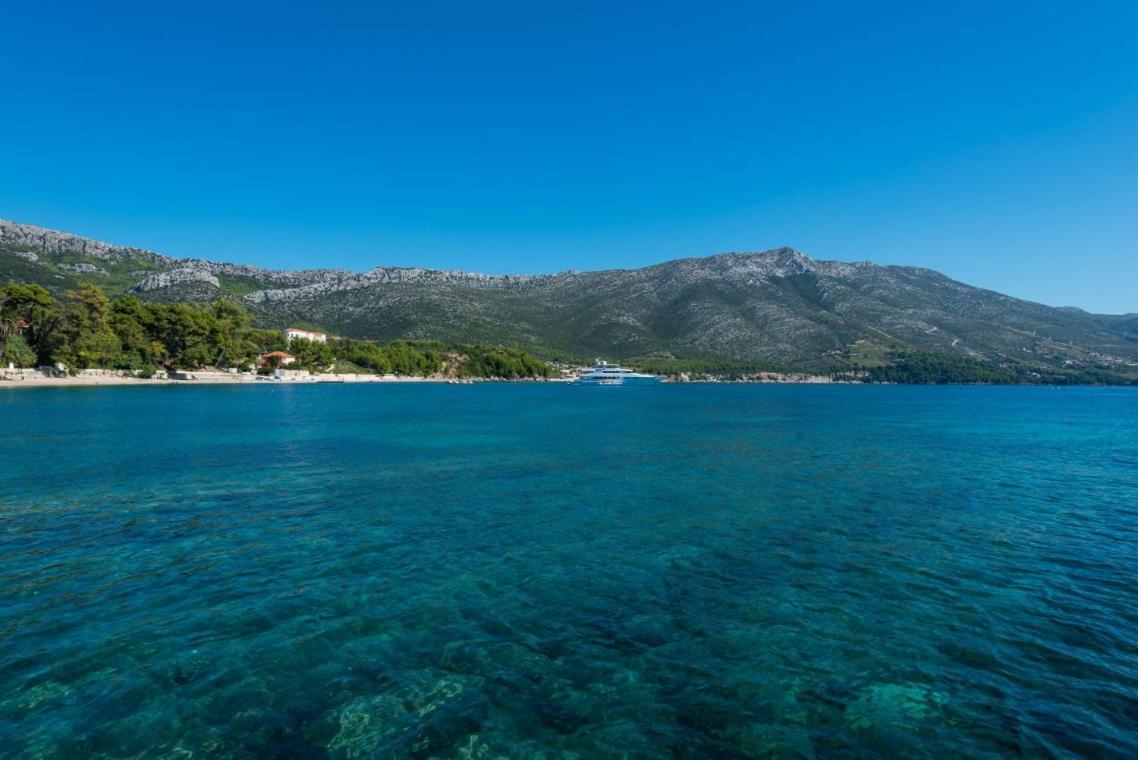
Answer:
(510, 570)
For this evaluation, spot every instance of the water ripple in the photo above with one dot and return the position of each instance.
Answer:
(485, 571)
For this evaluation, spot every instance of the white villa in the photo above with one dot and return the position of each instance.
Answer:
(296, 332)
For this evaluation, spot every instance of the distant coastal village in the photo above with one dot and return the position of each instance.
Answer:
(88, 338)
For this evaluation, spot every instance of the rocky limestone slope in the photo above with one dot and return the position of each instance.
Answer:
(154, 271)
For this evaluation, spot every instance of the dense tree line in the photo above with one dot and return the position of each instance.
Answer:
(913, 368)
(498, 361)
(940, 369)
(724, 368)
(87, 329)
(429, 358)
(921, 368)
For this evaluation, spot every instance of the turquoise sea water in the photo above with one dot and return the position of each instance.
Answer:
(541, 570)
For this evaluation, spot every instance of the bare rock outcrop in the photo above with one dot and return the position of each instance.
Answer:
(44, 240)
(84, 268)
(175, 277)
(390, 276)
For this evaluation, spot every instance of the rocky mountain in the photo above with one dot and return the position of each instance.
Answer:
(777, 306)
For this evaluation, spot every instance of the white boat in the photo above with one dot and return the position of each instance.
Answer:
(604, 373)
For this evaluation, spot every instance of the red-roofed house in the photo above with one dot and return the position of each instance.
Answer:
(277, 359)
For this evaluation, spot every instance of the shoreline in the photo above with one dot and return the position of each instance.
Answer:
(36, 379)
(109, 379)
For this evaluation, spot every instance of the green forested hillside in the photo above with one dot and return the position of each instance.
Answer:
(776, 308)
(87, 329)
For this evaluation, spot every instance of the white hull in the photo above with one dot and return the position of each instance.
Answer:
(604, 374)
(618, 381)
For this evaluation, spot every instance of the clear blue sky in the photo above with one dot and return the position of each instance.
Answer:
(996, 142)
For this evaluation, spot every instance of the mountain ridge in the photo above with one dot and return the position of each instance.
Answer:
(776, 306)
(56, 241)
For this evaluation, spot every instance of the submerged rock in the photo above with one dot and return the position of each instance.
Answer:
(425, 713)
(885, 706)
(46, 692)
(772, 741)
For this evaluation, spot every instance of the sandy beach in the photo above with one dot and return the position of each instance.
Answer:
(37, 379)
(28, 378)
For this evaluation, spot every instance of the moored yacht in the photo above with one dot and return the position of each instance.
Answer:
(604, 373)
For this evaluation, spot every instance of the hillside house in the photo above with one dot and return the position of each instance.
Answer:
(277, 359)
